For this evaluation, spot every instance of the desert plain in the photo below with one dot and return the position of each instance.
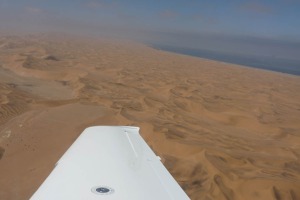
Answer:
(223, 131)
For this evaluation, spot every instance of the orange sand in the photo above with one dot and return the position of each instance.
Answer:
(223, 131)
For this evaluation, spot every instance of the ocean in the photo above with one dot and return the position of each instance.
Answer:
(262, 62)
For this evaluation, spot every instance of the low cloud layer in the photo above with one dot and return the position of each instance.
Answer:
(247, 27)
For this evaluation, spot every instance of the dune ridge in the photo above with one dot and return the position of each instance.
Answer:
(223, 131)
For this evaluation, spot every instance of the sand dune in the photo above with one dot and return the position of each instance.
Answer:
(223, 131)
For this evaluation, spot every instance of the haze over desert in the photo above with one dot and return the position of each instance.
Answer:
(223, 131)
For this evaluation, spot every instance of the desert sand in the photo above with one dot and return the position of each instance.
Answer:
(223, 131)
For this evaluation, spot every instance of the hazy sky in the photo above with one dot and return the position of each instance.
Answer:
(226, 25)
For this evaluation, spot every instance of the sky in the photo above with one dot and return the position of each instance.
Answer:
(265, 27)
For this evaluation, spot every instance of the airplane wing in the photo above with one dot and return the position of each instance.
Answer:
(109, 162)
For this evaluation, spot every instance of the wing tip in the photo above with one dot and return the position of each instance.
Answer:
(101, 128)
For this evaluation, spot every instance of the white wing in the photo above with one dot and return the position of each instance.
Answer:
(109, 162)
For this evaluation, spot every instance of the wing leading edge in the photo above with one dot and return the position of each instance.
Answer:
(109, 162)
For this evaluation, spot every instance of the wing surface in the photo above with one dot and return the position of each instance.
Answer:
(109, 162)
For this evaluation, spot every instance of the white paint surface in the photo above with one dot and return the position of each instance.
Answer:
(113, 156)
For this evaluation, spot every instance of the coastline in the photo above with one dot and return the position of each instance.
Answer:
(266, 63)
